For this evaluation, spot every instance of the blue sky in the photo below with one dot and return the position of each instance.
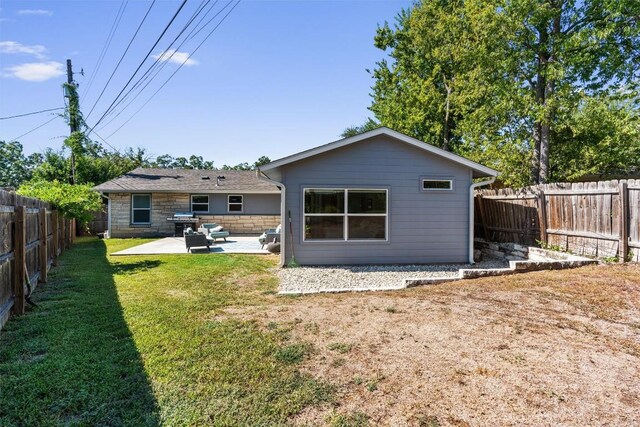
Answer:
(275, 78)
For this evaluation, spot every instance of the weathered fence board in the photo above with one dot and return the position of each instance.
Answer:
(597, 218)
(31, 238)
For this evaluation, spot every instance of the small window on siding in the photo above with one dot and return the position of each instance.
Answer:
(235, 203)
(437, 184)
(141, 208)
(199, 203)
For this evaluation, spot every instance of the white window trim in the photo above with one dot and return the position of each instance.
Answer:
(229, 196)
(346, 215)
(141, 209)
(200, 195)
(423, 179)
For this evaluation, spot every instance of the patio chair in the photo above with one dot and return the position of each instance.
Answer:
(195, 241)
(214, 231)
(271, 235)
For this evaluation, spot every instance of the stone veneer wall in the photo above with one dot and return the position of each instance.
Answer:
(164, 205)
(242, 224)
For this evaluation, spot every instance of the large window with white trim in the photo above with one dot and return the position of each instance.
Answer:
(141, 208)
(199, 203)
(345, 214)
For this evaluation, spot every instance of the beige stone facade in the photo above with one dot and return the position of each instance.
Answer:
(164, 205)
(242, 224)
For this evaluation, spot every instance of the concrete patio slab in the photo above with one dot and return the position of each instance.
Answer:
(176, 245)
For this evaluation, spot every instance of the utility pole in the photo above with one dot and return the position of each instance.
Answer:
(74, 103)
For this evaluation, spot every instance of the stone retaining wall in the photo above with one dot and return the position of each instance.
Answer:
(508, 251)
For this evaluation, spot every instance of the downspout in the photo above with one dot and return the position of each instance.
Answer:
(472, 188)
(261, 175)
(108, 233)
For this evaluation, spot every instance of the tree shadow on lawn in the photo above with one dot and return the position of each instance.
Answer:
(72, 360)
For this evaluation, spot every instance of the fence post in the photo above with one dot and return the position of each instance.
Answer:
(542, 216)
(19, 251)
(55, 227)
(623, 247)
(43, 245)
(63, 234)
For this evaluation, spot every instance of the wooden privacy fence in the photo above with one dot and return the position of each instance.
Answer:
(599, 219)
(32, 236)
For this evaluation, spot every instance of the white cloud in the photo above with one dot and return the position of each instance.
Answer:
(15, 47)
(35, 12)
(36, 71)
(176, 57)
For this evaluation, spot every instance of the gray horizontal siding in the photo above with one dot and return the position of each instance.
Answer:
(253, 204)
(424, 227)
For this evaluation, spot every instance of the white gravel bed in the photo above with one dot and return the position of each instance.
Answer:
(302, 280)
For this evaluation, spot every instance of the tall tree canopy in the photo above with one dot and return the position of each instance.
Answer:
(503, 81)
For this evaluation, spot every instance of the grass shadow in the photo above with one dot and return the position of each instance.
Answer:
(134, 267)
(72, 360)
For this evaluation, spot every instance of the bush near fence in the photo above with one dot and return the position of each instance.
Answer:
(600, 219)
(32, 236)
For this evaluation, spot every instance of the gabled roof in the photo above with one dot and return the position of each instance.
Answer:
(478, 169)
(186, 181)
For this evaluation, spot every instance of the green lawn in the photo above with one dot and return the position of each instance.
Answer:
(141, 341)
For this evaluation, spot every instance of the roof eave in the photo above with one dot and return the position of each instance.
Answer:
(477, 167)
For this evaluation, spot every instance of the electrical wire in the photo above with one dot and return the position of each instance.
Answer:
(121, 58)
(189, 37)
(30, 114)
(107, 43)
(140, 66)
(178, 69)
(34, 129)
(147, 76)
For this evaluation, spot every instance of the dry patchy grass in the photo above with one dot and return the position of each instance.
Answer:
(545, 348)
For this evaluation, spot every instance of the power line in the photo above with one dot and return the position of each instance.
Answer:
(178, 69)
(121, 58)
(159, 68)
(107, 43)
(34, 129)
(30, 114)
(147, 74)
(140, 66)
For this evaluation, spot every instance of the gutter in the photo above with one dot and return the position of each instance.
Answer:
(261, 175)
(471, 213)
(108, 233)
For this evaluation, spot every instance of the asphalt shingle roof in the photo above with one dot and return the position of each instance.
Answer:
(187, 181)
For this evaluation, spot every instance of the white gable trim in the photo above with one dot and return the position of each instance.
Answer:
(376, 132)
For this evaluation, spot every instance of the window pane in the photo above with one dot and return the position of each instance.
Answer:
(235, 199)
(324, 201)
(235, 207)
(434, 184)
(142, 201)
(141, 216)
(367, 227)
(324, 227)
(199, 199)
(367, 201)
(199, 207)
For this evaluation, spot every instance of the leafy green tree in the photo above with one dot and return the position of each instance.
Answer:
(602, 137)
(15, 167)
(77, 201)
(500, 80)
(370, 124)
(263, 160)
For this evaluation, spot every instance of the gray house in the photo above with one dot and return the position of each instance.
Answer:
(380, 197)
(144, 202)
